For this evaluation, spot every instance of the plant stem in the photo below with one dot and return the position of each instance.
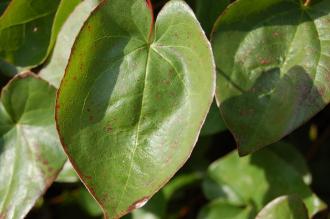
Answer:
(307, 3)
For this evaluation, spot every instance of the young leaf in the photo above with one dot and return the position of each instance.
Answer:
(28, 29)
(273, 67)
(30, 152)
(263, 176)
(284, 207)
(54, 70)
(133, 99)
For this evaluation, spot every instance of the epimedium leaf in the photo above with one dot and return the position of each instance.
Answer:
(272, 67)
(54, 69)
(223, 209)
(272, 174)
(284, 207)
(208, 11)
(133, 99)
(30, 151)
(28, 30)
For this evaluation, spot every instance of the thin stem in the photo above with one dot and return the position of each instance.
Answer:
(307, 3)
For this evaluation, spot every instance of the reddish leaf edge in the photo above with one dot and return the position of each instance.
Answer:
(133, 206)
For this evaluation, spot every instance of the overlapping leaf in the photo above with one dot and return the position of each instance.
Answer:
(284, 207)
(54, 70)
(28, 29)
(133, 99)
(273, 65)
(263, 176)
(30, 151)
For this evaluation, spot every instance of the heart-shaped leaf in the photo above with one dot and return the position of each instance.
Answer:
(30, 151)
(54, 70)
(263, 176)
(28, 29)
(273, 66)
(284, 207)
(133, 99)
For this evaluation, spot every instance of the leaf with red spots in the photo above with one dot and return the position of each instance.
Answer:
(30, 151)
(132, 101)
(273, 67)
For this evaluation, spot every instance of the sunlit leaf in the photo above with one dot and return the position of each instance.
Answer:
(133, 99)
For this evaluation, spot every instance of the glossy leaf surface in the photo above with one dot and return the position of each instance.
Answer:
(54, 70)
(28, 29)
(133, 99)
(30, 151)
(290, 207)
(273, 66)
(262, 176)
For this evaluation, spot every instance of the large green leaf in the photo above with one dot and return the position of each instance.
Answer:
(133, 99)
(262, 176)
(30, 151)
(286, 207)
(273, 66)
(54, 70)
(207, 12)
(28, 29)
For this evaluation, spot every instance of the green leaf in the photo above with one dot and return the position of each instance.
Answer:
(294, 158)
(133, 99)
(28, 29)
(67, 174)
(30, 152)
(272, 66)
(223, 209)
(262, 176)
(286, 207)
(214, 122)
(207, 12)
(54, 70)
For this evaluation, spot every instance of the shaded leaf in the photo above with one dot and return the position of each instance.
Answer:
(28, 29)
(214, 122)
(262, 176)
(30, 153)
(223, 209)
(294, 158)
(291, 207)
(207, 12)
(133, 100)
(273, 67)
(54, 70)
